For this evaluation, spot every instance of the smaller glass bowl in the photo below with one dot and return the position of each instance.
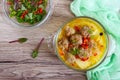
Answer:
(16, 23)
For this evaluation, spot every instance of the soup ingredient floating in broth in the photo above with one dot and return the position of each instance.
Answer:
(77, 42)
(27, 11)
(81, 43)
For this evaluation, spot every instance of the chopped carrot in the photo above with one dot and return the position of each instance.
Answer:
(72, 64)
(61, 52)
(95, 54)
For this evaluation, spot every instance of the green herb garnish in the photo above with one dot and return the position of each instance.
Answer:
(90, 31)
(75, 51)
(74, 41)
(35, 51)
(20, 40)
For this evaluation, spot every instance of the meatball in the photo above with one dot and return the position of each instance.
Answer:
(85, 31)
(64, 43)
(70, 58)
(84, 53)
(69, 31)
(76, 39)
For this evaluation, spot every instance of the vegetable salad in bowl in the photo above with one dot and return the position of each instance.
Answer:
(28, 13)
(82, 43)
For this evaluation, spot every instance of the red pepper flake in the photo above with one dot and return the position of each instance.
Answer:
(77, 28)
(84, 58)
(85, 46)
(76, 56)
(88, 38)
(85, 43)
(85, 40)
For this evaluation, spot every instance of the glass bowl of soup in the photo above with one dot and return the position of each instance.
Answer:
(27, 13)
(81, 43)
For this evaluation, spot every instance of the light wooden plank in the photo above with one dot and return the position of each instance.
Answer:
(15, 59)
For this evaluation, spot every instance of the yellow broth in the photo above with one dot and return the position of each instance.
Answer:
(101, 42)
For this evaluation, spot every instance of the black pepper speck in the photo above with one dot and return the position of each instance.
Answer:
(101, 33)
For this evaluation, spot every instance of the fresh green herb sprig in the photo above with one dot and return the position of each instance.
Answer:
(20, 40)
(35, 51)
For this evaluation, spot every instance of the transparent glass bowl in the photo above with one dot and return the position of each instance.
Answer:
(52, 44)
(16, 23)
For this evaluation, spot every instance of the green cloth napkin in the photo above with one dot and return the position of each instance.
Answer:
(106, 12)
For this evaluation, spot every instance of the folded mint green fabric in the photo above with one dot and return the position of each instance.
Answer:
(107, 12)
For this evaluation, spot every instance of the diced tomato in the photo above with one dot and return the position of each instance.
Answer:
(40, 2)
(77, 28)
(24, 14)
(39, 11)
(22, 17)
(84, 59)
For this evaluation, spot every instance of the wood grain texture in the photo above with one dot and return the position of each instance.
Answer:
(15, 60)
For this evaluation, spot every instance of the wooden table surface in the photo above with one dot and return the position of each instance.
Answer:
(15, 60)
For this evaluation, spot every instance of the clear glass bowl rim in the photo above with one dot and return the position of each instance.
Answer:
(32, 26)
(94, 66)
